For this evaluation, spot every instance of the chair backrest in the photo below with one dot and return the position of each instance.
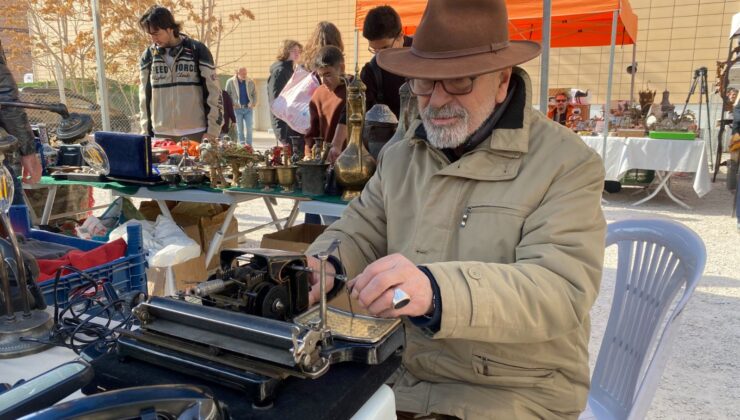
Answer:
(656, 258)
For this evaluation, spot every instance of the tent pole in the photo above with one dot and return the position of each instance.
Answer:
(634, 71)
(545, 58)
(607, 112)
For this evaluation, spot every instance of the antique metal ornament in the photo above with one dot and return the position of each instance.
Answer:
(355, 165)
(19, 330)
(380, 124)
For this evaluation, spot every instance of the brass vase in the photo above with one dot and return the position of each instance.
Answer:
(355, 165)
(268, 177)
(286, 176)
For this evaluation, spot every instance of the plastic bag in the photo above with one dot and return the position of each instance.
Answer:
(292, 104)
(165, 242)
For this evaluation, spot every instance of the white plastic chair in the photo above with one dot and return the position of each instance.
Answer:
(656, 259)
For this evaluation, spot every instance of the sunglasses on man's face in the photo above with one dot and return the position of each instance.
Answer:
(560, 100)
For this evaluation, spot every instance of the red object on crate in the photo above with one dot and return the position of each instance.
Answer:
(82, 260)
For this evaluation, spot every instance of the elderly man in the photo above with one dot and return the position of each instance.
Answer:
(487, 217)
(244, 96)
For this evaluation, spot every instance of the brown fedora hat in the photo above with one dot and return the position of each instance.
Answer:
(459, 38)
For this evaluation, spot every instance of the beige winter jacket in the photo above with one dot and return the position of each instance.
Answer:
(513, 233)
(183, 98)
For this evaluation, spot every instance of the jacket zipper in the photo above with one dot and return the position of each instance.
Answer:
(469, 210)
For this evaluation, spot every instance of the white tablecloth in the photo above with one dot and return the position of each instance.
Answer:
(625, 153)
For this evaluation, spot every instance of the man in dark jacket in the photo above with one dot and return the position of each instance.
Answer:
(382, 29)
(229, 117)
(280, 73)
(15, 122)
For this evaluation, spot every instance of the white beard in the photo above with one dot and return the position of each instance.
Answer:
(448, 136)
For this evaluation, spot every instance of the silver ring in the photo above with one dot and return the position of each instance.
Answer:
(400, 298)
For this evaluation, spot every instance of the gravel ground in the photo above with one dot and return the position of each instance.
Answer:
(702, 377)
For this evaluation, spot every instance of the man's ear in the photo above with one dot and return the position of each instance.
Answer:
(503, 84)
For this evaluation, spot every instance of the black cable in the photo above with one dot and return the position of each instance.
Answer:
(76, 330)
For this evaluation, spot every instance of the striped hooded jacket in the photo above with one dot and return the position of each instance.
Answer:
(184, 98)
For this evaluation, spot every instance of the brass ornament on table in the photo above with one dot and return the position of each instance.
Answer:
(286, 176)
(237, 156)
(313, 172)
(210, 154)
(355, 165)
(267, 174)
(267, 177)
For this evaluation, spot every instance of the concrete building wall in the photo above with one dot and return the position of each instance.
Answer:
(674, 38)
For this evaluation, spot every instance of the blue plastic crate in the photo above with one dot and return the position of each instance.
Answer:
(127, 274)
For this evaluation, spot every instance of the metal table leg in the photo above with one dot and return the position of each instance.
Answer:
(293, 215)
(164, 209)
(218, 237)
(663, 177)
(271, 209)
(49, 205)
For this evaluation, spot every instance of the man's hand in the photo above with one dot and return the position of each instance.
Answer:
(334, 153)
(373, 288)
(31, 168)
(314, 295)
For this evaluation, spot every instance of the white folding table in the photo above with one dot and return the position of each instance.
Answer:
(665, 157)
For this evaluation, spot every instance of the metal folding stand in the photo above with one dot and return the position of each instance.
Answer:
(700, 77)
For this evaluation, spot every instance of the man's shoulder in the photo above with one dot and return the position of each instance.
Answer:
(200, 50)
(551, 138)
(146, 56)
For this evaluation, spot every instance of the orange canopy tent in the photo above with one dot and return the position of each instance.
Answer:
(575, 23)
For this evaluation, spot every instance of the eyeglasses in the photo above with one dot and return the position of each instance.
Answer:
(560, 100)
(375, 50)
(425, 87)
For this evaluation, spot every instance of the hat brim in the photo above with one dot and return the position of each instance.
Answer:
(403, 62)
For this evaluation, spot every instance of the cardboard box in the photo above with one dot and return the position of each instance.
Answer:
(187, 274)
(295, 239)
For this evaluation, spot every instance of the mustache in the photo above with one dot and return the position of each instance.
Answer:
(446, 111)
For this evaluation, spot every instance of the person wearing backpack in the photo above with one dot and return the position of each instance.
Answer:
(179, 94)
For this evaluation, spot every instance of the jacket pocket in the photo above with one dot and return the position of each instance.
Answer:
(490, 232)
(495, 372)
